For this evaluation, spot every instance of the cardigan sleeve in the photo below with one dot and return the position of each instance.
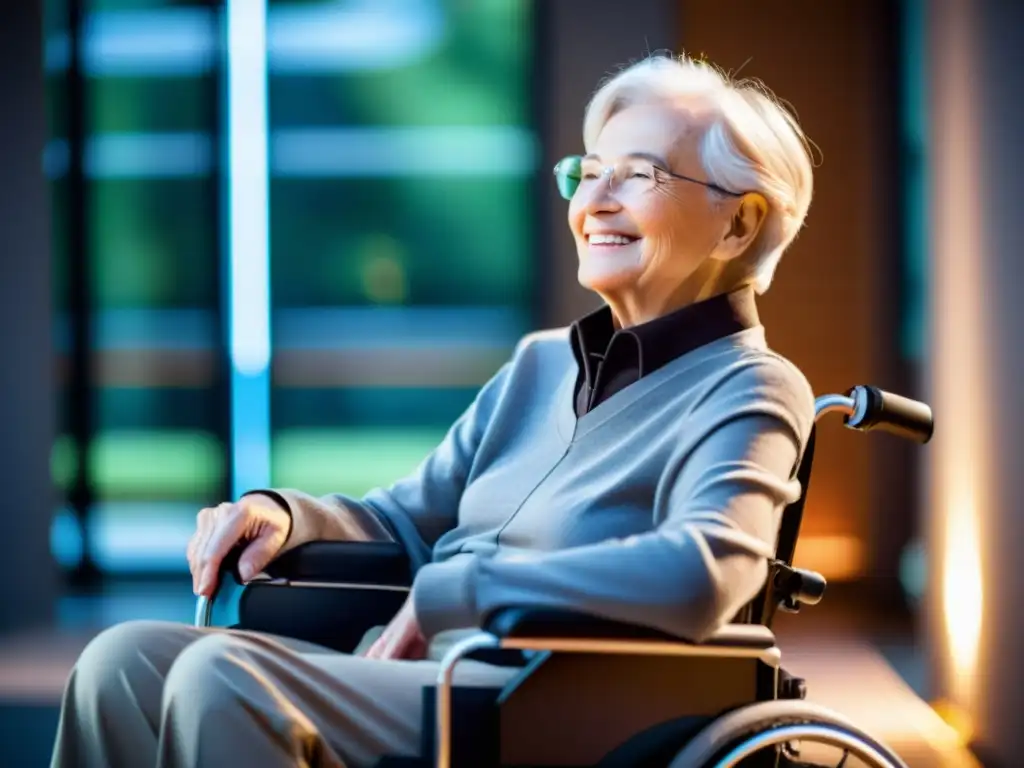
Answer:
(721, 503)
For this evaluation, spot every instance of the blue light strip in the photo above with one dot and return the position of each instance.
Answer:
(248, 244)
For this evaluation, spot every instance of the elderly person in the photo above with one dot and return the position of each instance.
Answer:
(633, 466)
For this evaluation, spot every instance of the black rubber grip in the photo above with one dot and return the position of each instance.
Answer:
(895, 414)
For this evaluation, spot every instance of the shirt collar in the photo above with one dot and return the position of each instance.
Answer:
(662, 340)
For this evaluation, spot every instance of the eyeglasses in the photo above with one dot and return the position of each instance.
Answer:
(632, 177)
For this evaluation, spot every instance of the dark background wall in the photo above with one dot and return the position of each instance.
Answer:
(26, 382)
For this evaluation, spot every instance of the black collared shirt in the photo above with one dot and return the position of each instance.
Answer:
(610, 360)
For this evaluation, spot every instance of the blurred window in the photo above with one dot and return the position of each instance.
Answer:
(401, 230)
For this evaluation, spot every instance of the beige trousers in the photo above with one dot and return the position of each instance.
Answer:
(151, 694)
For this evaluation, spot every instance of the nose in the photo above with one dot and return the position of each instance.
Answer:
(599, 196)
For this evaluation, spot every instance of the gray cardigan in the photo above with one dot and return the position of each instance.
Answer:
(659, 507)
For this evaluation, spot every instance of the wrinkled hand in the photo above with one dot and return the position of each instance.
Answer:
(256, 519)
(402, 638)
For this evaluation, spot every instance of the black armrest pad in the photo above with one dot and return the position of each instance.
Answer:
(355, 562)
(548, 623)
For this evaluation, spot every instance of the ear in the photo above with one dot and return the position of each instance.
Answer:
(744, 226)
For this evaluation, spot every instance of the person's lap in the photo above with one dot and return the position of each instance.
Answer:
(146, 693)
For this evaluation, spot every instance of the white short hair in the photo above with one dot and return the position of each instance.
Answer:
(753, 143)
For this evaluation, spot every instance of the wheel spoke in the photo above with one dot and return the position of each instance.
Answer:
(842, 762)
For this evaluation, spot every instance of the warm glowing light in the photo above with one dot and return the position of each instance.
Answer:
(961, 361)
(962, 598)
(958, 720)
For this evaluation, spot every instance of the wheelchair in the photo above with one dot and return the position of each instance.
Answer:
(590, 691)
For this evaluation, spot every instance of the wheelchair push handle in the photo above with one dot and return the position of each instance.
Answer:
(228, 570)
(876, 409)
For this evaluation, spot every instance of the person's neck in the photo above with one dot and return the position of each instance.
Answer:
(642, 304)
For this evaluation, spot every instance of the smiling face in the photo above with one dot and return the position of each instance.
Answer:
(644, 243)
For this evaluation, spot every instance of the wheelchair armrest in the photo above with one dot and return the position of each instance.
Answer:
(538, 623)
(352, 562)
(325, 592)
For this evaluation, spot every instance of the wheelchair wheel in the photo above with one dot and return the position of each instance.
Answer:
(801, 733)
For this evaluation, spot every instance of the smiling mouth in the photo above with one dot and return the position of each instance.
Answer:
(611, 241)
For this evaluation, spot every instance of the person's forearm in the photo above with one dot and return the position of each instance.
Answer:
(682, 582)
(330, 518)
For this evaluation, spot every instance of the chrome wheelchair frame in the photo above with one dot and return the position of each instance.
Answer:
(769, 726)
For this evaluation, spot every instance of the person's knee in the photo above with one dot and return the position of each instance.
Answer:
(118, 658)
(207, 676)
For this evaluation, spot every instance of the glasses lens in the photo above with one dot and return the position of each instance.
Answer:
(567, 176)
